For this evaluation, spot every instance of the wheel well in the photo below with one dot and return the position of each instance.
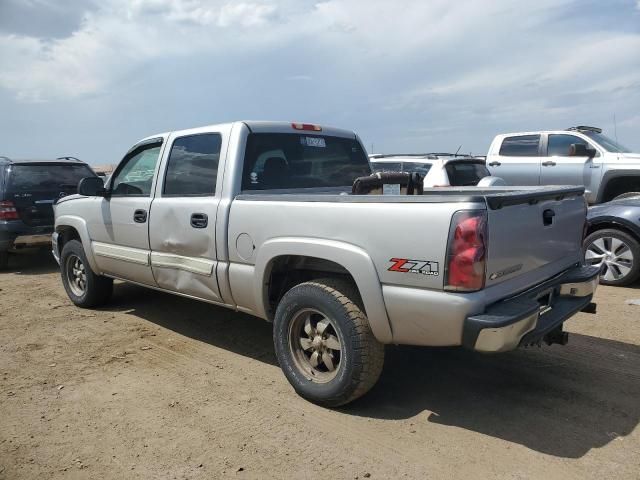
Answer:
(620, 185)
(616, 226)
(65, 234)
(287, 271)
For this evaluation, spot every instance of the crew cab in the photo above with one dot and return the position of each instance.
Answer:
(576, 156)
(260, 217)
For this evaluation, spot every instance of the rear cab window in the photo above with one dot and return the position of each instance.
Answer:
(466, 174)
(290, 160)
(520, 146)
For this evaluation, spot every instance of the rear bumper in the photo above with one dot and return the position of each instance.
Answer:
(15, 234)
(528, 317)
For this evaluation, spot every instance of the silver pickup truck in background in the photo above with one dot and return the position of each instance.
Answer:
(575, 156)
(259, 217)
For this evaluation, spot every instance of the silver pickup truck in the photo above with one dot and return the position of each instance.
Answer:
(575, 156)
(260, 217)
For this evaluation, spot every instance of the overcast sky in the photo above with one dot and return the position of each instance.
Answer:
(90, 78)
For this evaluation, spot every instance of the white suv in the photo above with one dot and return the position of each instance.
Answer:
(575, 156)
(438, 169)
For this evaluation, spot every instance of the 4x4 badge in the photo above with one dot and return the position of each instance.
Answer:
(405, 265)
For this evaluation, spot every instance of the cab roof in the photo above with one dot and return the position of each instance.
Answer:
(265, 126)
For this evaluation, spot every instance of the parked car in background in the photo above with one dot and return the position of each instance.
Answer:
(438, 169)
(575, 156)
(260, 217)
(28, 189)
(613, 240)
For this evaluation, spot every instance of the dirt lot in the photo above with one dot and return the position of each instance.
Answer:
(156, 386)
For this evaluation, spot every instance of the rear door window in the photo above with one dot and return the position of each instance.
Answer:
(289, 160)
(192, 169)
(520, 146)
(47, 177)
(466, 174)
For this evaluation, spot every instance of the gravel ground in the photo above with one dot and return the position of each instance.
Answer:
(157, 386)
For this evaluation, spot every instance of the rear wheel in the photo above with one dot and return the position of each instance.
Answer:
(324, 344)
(617, 252)
(4, 260)
(84, 287)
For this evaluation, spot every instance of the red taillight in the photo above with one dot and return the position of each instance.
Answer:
(8, 211)
(306, 126)
(466, 251)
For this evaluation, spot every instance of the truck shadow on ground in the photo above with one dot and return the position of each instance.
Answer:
(561, 401)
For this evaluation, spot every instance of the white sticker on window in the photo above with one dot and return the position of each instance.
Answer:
(313, 142)
(391, 189)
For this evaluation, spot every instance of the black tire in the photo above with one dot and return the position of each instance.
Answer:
(610, 271)
(4, 260)
(96, 290)
(359, 359)
(626, 195)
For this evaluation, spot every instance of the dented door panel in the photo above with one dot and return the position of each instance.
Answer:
(183, 257)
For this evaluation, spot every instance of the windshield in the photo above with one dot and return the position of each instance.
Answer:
(47, 176)
(420, 167)
(605, 142)
(286, 160)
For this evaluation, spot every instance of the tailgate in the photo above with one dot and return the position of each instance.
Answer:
(526, 234)
(35, 208)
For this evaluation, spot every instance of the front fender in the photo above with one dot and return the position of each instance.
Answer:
(355, 260)
(80, 225)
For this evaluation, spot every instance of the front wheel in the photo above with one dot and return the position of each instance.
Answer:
(617, 253)
(84, 287)
(324, 344)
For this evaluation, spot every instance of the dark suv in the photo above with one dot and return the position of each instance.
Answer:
(28, 190)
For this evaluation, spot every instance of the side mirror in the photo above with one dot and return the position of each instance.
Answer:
(91, 187)
(581, 150)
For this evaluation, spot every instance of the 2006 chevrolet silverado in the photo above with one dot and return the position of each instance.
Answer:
(260, 217)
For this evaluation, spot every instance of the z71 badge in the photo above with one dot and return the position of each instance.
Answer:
(405, 265)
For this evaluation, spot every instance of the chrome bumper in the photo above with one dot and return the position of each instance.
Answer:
(528, 317)
(32, 240)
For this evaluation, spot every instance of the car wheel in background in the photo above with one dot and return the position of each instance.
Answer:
(617, 252)
(85, 288)
(627, 195)
(324, 344)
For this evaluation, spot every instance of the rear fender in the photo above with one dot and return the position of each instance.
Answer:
(352, 258)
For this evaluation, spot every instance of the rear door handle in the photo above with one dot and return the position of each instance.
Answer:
(495, 164)
(548, 163)
(140, 216)
(199, 220)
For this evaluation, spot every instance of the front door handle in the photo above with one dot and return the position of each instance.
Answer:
(140, 216)
(495, 164)
(199, 220)
(548, 163)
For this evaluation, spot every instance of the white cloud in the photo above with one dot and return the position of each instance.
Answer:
(418, 69)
